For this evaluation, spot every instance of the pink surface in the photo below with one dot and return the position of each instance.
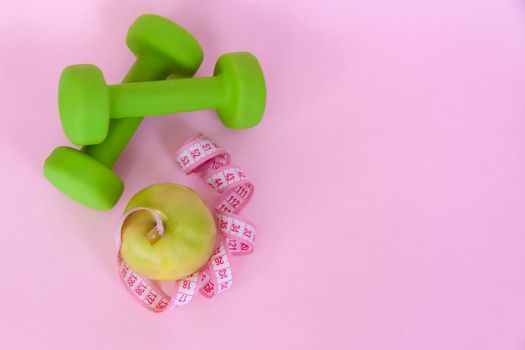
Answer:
(389, 169)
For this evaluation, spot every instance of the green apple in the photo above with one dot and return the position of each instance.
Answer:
(189, 233)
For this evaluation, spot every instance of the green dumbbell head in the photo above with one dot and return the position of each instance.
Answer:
(83, 178)
(159, 39)
(162, 48)
(244, 104)
(83, 103)
(237, 91)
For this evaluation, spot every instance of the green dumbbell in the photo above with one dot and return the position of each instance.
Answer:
(86, 104)
(162, 48)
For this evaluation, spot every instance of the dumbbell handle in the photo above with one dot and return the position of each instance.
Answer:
(165, 97)
(121, 130)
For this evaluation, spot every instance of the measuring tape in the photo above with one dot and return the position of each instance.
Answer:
(236, 234)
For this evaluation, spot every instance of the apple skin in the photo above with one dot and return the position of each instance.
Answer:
(189, 232)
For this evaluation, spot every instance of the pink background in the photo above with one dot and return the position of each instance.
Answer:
(389, 169)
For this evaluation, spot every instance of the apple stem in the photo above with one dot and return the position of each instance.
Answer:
(154, 235)
(158, 230)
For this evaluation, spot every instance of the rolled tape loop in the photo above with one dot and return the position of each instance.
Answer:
(237, 235)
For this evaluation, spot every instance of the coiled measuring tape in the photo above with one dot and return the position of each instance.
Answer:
(236, 234)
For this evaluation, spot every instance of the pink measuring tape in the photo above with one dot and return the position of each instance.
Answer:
(236, 234)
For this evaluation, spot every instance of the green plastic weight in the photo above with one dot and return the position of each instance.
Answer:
(86, 104)
(162, 48)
